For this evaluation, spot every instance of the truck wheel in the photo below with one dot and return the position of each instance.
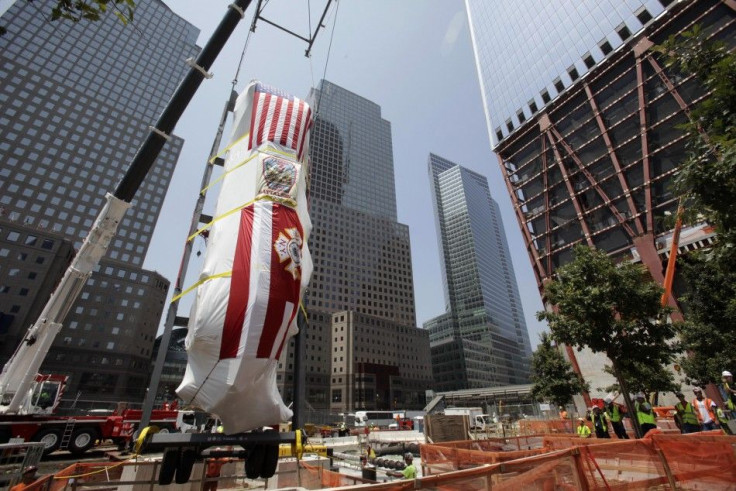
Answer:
(51, 439)
(186, 464)
(169, 463)
(270, 461)
(82, 440)
(254, 461)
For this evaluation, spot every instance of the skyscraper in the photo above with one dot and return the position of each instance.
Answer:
(76, 101)
(481, 340)
(362, 265)
(590, 144)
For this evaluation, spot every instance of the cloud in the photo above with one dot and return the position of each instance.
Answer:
(453, 31)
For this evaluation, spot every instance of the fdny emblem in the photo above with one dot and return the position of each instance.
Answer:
(288, 246)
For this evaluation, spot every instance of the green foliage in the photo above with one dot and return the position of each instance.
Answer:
(709, 336)
(611, 309)
(553, 377)
(707, 177)
(644, 377)
(76, 10)
(707, 181)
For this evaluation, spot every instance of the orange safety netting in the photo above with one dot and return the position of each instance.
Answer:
(536, 427)
(437, 459)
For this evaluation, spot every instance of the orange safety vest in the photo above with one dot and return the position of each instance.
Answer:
(708, 405)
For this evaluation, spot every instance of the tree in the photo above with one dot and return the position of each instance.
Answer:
(552, 375)
(76, 10)
(610, 309)
(709, 336)
(646, 378)
(706, 181)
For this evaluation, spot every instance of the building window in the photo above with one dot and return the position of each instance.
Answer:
(545, 96)
(623, 32)
(588, 60)
(573, 72)
(532, 106)
(643, 15)
(605, 46)
(559, 85)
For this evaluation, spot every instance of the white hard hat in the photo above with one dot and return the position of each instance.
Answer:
(640, 394)
(726, 373)
(608, 400)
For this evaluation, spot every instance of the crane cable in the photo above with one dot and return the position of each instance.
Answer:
(329, 49)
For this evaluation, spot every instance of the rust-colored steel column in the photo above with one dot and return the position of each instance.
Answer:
(544, 119)
(650, 259)
(547, 213)
(639, 49)
(594, 183)
(539, 271)
(614, 158)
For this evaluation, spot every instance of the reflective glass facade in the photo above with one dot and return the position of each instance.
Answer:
(482, 298)
(528, 51)
(76, 101)
(362, 256)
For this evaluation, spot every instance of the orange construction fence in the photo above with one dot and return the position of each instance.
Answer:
(659, 461)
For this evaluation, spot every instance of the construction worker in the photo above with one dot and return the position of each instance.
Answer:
(722, 415)
(644, 414)
(616, 417)
(563, 413)
(685, 416)
(583, 430)
(599, 423)
(409, 472)
(728, 392)
(705, 409)
(370, 454)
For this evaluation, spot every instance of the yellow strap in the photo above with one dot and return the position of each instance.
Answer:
(224, 174)
(271, 150)
(99, 471)
(225, 274)
(227, 148)
(284, 201)
(268, 144)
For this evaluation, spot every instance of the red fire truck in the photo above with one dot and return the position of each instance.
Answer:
(38, 422)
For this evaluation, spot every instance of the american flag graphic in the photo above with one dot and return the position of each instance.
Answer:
(280, 118)
(265, 284)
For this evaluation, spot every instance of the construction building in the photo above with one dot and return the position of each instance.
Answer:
(591, 140)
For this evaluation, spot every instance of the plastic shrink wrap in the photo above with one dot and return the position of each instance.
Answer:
(256, 266)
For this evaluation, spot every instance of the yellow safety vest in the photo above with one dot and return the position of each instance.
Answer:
(614, 415)
(583, 431)
(687, 413)
(644, 417)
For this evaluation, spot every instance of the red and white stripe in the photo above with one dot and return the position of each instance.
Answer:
(264, 296)
(279, 120)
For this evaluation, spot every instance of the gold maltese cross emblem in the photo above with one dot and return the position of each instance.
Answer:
(288, 246)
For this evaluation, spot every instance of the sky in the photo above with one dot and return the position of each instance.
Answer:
(412, 57)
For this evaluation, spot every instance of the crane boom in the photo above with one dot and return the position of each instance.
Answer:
(19, 372)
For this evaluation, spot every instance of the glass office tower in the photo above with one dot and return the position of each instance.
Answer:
(590, 144)
(528, 52)
(482, 339)
(362, 285)
(75, 103)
